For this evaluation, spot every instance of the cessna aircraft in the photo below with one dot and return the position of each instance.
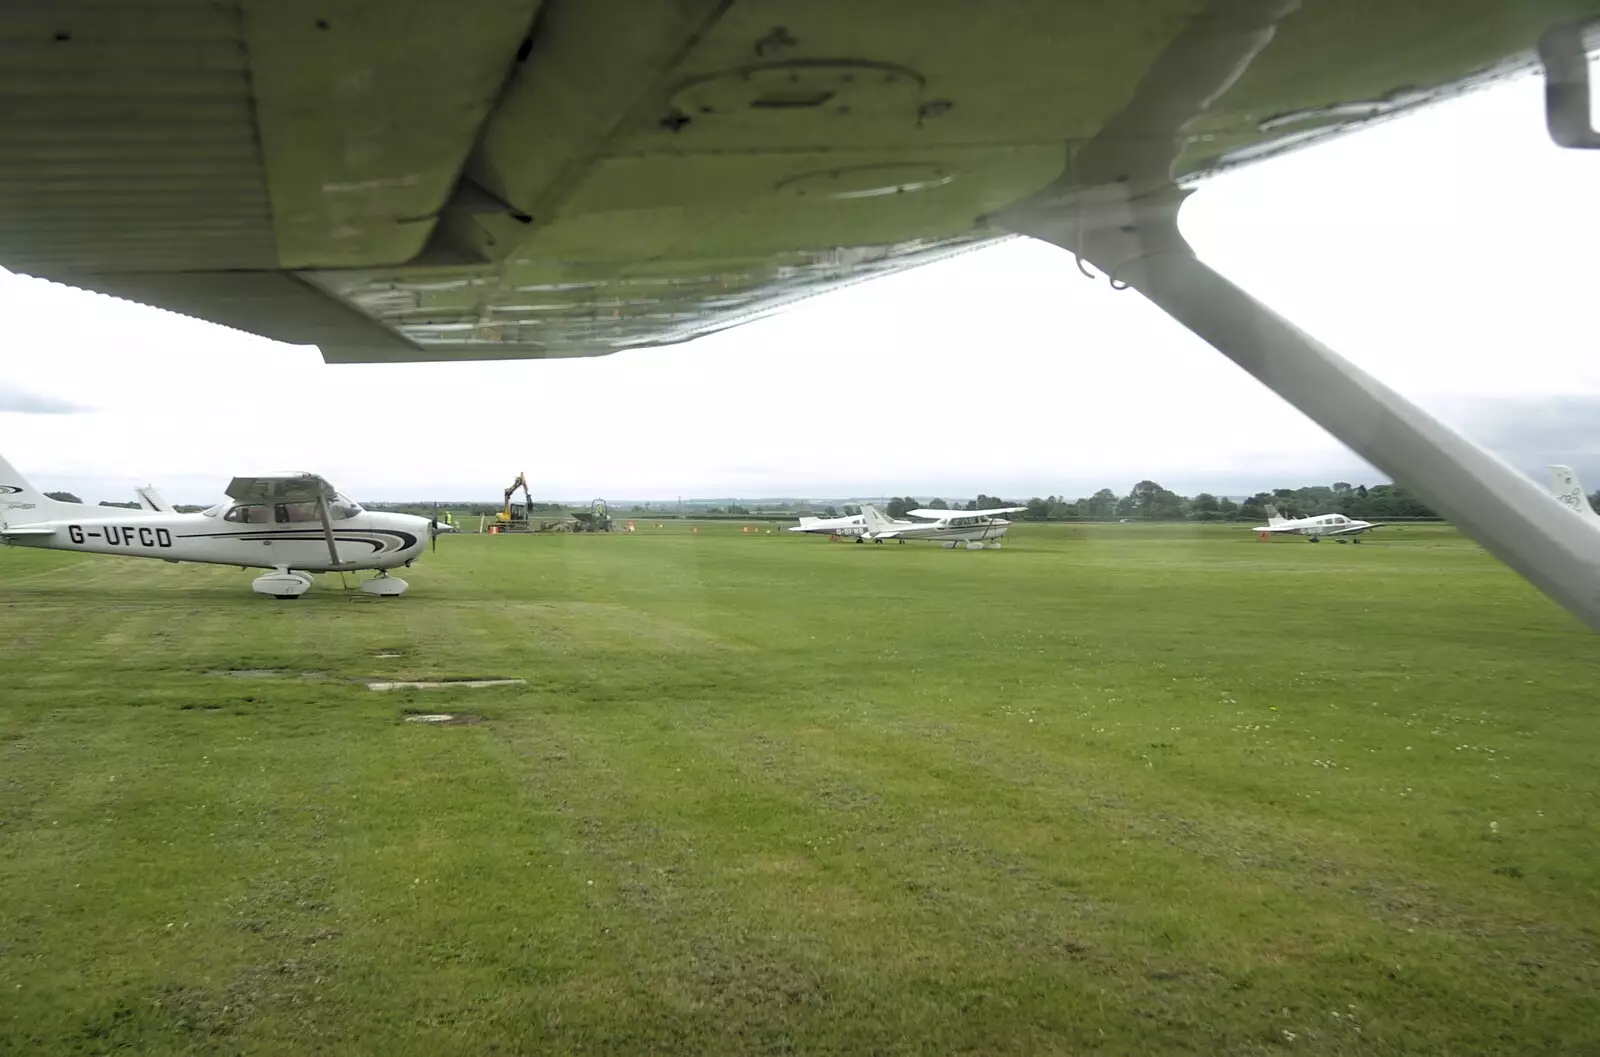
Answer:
(1335, 526)
(1565, 487)
(292, 523)
(976, 528)
(851, 525)
(416, 180)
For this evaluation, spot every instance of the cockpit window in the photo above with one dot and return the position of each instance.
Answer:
(249, 514)
(340, 508)
(291, 512)
(214, 511)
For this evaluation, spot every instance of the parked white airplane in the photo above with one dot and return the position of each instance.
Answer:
(1564, 485)
(851, 525)
(292, 523)
(1337, 526)
(976, 528)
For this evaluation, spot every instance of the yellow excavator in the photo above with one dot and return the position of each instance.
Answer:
(516, 517)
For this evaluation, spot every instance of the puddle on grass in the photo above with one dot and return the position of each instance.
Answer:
(443, 719)
(376, 684)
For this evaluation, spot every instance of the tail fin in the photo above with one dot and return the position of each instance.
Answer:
(1273, 517)
(150, 499)
(876, 522)
(22, 504)
(1569, 492)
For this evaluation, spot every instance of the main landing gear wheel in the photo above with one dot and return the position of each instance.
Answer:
(282, 583)
(384, 585)
(1314, 539)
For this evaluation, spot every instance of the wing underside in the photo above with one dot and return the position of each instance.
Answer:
(516, 178)
(280, 488)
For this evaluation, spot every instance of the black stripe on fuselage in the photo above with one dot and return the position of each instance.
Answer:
(403, 540)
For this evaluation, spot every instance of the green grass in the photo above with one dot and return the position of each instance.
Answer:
(1116, 789)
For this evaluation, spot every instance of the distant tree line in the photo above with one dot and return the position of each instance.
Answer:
(1146, 501)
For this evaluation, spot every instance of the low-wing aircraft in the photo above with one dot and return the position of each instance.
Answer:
(976, 528)
(851, 525)
(294, 524)
(1335, 526)
(1564, 485)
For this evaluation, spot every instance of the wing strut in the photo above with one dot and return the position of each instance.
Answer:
(1116, 206)
(327, 529)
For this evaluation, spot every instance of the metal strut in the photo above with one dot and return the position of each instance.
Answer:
(1117, 207)
(327, 530)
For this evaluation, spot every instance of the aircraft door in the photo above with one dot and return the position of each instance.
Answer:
(300, 541)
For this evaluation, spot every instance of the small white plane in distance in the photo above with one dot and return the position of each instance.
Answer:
(851, 525)
(1336, 526)
(978, 529)
(292, 523)
(1565, 487)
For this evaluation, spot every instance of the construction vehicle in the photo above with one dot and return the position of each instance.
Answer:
(516, 517)
(595, 519)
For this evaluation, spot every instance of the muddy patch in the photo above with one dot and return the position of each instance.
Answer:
(439, 684)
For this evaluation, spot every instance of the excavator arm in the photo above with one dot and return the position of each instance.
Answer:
(511, 490)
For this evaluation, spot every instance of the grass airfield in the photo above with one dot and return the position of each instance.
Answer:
(1114, 789)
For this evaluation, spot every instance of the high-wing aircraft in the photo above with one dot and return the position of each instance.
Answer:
(292, 523)
(1333, 526)
(850, 526)
(1564, 485)
(978, 529)
(531, 178)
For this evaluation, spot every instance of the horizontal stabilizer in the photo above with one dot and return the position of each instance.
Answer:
(7, 533)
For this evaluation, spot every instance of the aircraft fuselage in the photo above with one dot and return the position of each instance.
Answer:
(369, 540)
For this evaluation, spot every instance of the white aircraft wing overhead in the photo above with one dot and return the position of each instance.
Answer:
(939, 515)
(280, 488)
(480, 179)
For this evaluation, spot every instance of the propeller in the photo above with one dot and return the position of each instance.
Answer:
(433, 528)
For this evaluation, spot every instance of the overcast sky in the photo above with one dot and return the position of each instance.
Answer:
(1450, 253)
